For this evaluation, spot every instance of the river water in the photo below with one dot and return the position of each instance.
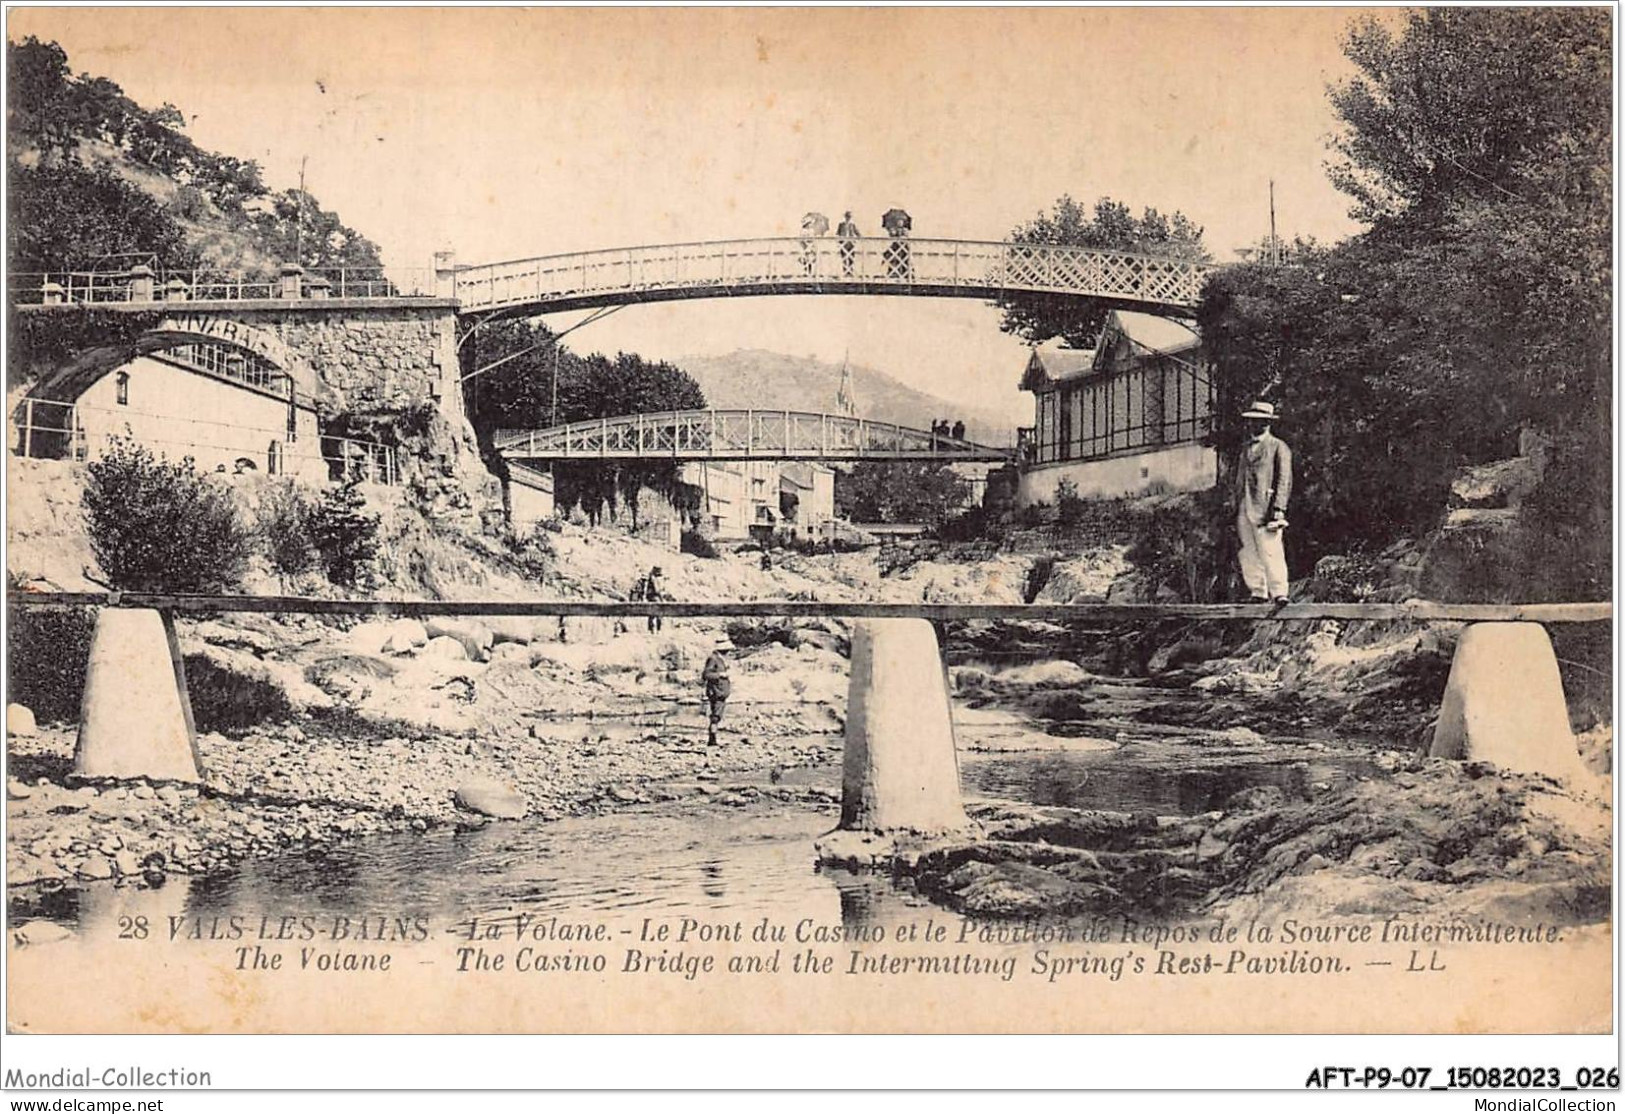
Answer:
(700, 857)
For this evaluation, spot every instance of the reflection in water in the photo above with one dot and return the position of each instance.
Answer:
(1153, 778)
(712, 886)
(668, 861)
(694, 858)
(874, 900)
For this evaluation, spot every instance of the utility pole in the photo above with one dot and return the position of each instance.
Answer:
(1275, 241)
(554, 420)
(299, 216)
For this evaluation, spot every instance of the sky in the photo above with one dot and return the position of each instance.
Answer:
(504, 133)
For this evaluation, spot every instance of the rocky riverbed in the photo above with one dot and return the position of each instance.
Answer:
(388, 728)
(295, 790)
(1445, 838)
(329, 731)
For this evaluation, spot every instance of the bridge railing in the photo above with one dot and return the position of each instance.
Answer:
(143, 285)
(824, 261)
(48, 429)
(739, 434)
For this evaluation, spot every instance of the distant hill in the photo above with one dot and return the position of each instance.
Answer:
(753, 377)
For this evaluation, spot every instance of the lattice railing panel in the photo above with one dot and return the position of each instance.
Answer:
(738, 434)
(827, 264)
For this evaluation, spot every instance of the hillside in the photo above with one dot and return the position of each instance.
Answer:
(96, 180)
(753, 377)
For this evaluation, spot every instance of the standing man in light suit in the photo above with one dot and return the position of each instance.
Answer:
(1263, 485)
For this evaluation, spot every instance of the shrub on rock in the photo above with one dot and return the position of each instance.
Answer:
(344, 533)
(160, 526)
(284, 519)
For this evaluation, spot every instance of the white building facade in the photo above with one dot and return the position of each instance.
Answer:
(1127, 417)
(760, 498)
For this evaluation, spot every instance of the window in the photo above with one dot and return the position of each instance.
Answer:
(1063, 437)
(226, 362)
(123, 382)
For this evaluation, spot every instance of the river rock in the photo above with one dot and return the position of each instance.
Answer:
(476, 637)
(35, 933)
(20, 720)
(1237, 736)
(17, 791)
(445, 648)
(489, 797)
(405, 635)
(368, 638)
(96, 867)
(511, 628)
(126, 863)
(1059, 674)
(511, 651)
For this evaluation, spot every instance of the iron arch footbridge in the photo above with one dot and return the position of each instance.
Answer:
(826, 265)
(982, 270)
(721, 435)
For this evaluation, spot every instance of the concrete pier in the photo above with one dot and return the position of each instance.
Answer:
(135, 719)
(900, 773)
(1504, 703)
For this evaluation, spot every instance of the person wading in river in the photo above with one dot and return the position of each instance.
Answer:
(1263, 485)
(717, 687)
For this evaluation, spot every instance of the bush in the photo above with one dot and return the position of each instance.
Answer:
(1187, 547)
(1033, 515)
(698, 544)
(47, 651)
(1350, 578)
(814, 547)
(227, 701)
(157, 526)
(284, 521)
(747, 634)
(533, 551)
(1069, 506)
(344, 533)
(974, 524)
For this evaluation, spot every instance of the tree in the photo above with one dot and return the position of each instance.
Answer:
(901, 491)
(1465, 103)
(517, 393)
(54, 112)
(297, 229)
(344, 533)
(229, 182)
(1038, 317)
(160, 526)
(36, 92)
(1482, 136)
(66, 217)
(1475, 141)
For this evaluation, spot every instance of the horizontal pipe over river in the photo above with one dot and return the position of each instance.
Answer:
(1415, 610)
